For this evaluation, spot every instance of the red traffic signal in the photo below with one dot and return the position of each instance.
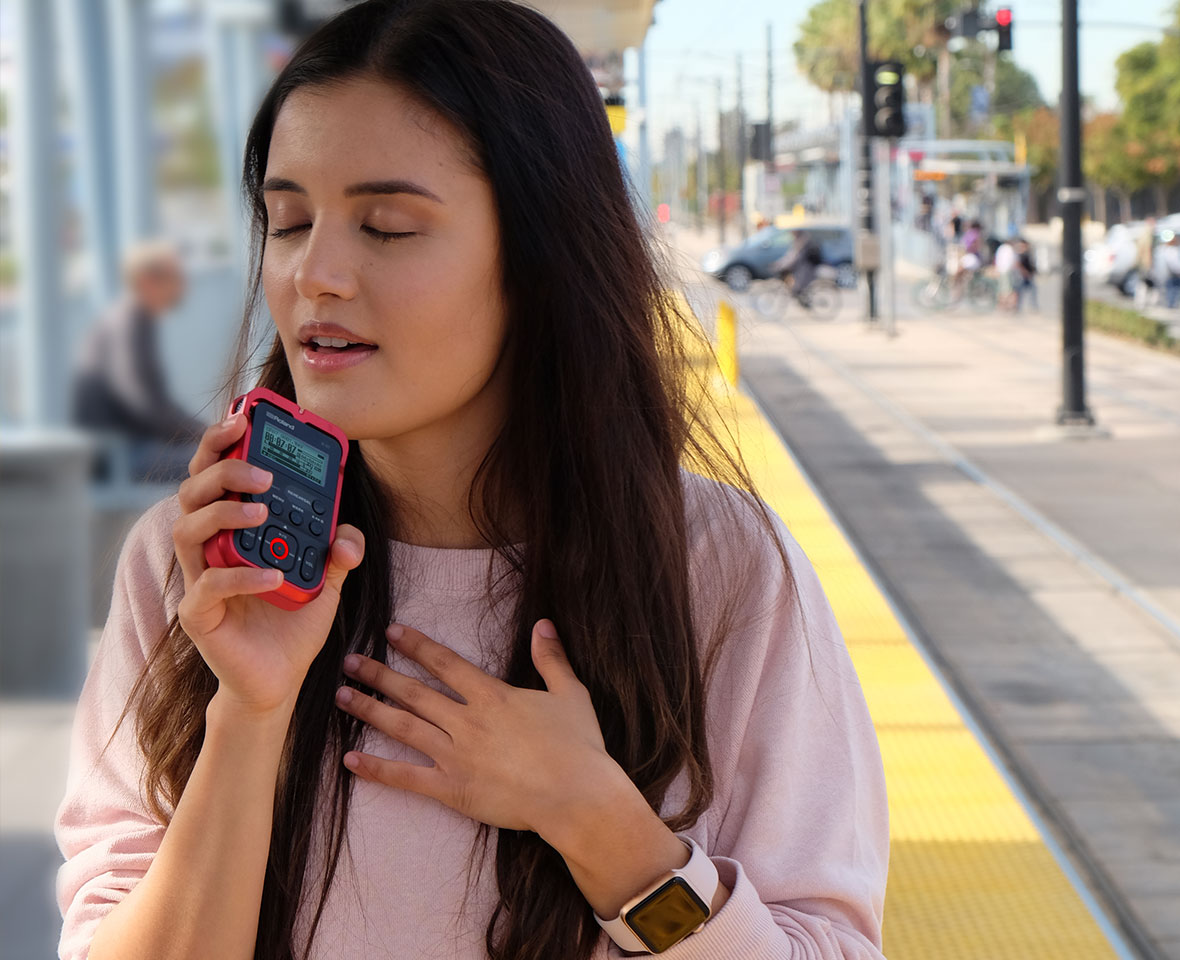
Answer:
(1004, 28)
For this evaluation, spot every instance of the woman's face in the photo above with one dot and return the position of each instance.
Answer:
(383, 234)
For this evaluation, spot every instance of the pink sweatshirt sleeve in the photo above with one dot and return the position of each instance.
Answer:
(103, 827)
(799, 830)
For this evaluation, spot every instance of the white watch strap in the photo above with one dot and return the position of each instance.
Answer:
(699, 873)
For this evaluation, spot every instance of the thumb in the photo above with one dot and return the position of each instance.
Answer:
(549, 656)
(346, 553)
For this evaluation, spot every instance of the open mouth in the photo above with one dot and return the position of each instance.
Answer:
(331, 345)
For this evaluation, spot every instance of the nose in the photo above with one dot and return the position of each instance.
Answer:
(326, 268)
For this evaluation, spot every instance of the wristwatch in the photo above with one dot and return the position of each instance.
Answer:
(675, 906)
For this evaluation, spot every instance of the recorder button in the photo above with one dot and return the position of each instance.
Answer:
(249, 538)
(277, 505)
(309, 569)
(278, 549)
(296, 516)
(318, 506)
(315, 527)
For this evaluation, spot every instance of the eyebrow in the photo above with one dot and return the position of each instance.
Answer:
(368, 188)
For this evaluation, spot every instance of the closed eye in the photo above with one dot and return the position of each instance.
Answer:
(383, 236)
(278, 233)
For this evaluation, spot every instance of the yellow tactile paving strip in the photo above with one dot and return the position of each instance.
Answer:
(970, 877)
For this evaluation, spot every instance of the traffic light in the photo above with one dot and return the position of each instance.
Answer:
(887, 116)
(965, 23)
(760, 143)
(1004, 28)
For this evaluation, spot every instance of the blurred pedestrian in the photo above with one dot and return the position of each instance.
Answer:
(119, 386)
(1026, 280)
(1007, 275)
(1145, 291)
(1170, 257)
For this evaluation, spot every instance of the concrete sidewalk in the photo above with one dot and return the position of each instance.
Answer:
(1041, 575)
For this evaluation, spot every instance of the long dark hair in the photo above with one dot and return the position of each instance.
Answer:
(605, 414)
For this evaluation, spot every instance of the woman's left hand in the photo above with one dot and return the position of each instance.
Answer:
(510, 757)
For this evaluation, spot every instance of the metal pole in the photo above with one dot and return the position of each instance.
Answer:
(41, 323)
(890, 259)
(87, 53)
(135, 167)
(866, 173)
(770, 87)
(1070, 195)
(720, 167)
(741, 153)
(644, 150)
(702, 175)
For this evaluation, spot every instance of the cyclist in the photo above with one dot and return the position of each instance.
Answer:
(800, 263)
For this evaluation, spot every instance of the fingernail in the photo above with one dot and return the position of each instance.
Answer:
(352, 662)
(395, 631)
(344, 695)
(546, 629)
(260, 476)
(257, 509)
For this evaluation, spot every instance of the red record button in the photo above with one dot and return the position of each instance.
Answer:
(278, 548)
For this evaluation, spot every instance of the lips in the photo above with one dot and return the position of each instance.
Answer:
(328, 359)
(329, 346)
(330, 331)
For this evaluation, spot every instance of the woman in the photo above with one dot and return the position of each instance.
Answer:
(542, 641)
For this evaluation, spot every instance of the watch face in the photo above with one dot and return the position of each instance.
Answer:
(667, 916)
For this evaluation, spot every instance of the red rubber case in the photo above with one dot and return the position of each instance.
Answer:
(222, 551)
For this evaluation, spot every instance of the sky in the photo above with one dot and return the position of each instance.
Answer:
(692, 42)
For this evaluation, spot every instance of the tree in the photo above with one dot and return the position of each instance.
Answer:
(1041, 129)
(1148, 83)
(911, 32)
(1016, 89)
(827, 49)
(1104, 161)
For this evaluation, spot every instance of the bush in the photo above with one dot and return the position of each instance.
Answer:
(1130, 324)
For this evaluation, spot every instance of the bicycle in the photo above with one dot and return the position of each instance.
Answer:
(820, 298)
(940, 291)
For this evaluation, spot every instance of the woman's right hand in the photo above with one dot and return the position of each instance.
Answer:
(259, 652)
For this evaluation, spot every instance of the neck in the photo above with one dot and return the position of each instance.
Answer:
(430, 475)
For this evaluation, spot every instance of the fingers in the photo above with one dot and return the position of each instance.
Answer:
(397, 773)
(401, 725)
(415, 696)
(204, 513)
(218, 437)
(461, 675)
(346, 553)
(203, 607)
(211, 478)
(550, 659)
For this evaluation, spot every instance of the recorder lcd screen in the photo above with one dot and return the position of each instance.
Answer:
(294, 454)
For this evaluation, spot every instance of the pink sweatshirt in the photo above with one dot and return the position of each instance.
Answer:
(798, 828)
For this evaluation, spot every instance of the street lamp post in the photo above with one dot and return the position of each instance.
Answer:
(1070, 195)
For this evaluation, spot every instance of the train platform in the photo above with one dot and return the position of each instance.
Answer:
(1009, 601)
(973, 873)
(1006, 591)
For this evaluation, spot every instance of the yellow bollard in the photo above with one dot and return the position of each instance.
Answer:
(727, 356)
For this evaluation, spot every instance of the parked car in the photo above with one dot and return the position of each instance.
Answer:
(1116, 259)
(740, 265)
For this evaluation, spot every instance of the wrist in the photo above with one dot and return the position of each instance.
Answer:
(225, 711)
(614, 844)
